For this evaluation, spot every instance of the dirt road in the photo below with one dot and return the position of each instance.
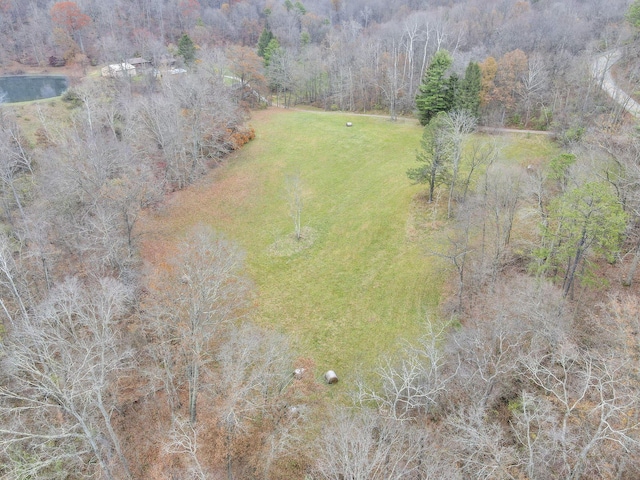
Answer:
(415, 120)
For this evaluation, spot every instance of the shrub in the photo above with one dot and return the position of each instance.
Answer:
(571, 135)
(71, 98)
(240, 137)
(57, 61)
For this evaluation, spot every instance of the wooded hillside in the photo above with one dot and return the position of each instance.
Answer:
(142, 339)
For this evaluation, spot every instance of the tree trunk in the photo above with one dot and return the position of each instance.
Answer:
(46, 272)
(450, 200)
(573, 267)
(628, 280)
(432, 186)
(193, 391)
(229, 458)
(114, 437)
(94, 446)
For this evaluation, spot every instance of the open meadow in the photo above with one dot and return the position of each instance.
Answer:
(358, 282)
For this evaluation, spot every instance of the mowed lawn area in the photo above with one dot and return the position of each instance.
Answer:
(364, 279)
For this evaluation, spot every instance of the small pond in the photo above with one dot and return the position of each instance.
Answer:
(22, 88)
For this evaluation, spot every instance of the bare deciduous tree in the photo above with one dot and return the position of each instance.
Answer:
(57, 395)
(592, 411)
(12, 281)
(254, 367)
(186, 125)
(295, 201)
(502, 195)
(489, 358)
(460, 124)
(183, 440)
(204, 293)
(412, 385)
(480, 445)
(393, 80)
(364, 446)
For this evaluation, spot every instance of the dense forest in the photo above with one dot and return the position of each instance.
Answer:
(117, 368)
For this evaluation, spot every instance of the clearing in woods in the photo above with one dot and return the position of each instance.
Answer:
(359, 281)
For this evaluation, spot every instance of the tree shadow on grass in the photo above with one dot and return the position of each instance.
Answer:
(289, 245)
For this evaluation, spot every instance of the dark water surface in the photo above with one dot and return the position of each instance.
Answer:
(21, 88)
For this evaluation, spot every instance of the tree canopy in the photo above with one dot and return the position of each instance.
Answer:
(633, 14)
(434, 158)
(67, 15)
(441, 93)
(186, 49)
(265, 37)
(468, 94)
(433, 92)
(585, 218)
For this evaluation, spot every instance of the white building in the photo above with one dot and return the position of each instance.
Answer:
(119, 70)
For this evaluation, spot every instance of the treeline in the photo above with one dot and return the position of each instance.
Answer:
(356, 56)
(527, 387)
(80, 189)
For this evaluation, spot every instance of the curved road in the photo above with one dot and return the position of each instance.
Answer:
(601, 70)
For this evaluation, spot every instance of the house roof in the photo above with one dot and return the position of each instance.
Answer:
(137, 61)
(121, 66)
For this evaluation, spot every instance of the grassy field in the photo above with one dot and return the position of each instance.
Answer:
(29, 115)
(362, 278)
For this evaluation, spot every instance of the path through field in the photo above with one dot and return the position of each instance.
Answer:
(491, 130)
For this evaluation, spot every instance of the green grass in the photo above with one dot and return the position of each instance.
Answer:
(525, 149)
(28, 115)
(359, 285)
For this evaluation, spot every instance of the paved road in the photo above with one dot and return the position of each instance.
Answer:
(601, 70)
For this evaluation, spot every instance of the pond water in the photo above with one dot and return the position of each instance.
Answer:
(21, 88)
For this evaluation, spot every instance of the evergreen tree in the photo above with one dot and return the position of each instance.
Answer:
(453, 87)
(273, 47)
(434, 90)
(186, 49)
(468, 95)
(265, 37)
(299, 8)
(305, 39)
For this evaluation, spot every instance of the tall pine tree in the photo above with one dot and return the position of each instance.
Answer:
(468, 94)
(186, 49)
(265, 37)
(453, 88)
(434, 92)
(272, 48)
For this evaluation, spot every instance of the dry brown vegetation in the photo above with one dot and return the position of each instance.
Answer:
(128, 347)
